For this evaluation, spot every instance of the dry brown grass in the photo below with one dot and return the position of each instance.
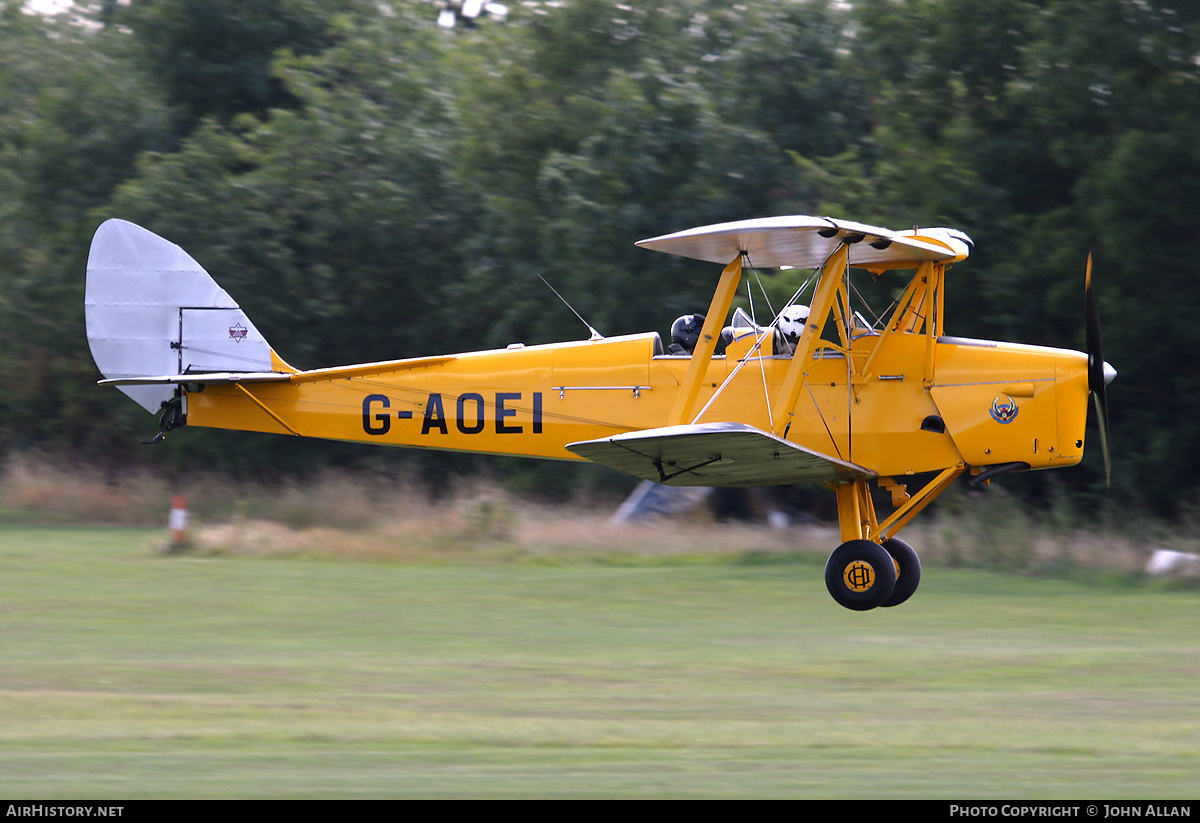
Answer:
(493, 526)
(34, 484)
(361, 516)
(381, 517)
(957, 541)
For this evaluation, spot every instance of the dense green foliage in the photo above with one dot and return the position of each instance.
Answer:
(370, 186)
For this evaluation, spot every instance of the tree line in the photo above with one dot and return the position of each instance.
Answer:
(370, 185)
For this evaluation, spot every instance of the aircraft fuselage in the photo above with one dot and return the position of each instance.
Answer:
(989, 403)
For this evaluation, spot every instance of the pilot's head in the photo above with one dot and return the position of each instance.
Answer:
(792, 320)
(685, 331)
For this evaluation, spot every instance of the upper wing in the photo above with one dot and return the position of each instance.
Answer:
(715, 454)
(802, 241)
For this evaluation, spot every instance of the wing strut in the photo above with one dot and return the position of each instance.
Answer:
(822, 304)
(718, 310)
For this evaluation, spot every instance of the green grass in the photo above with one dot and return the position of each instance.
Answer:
(127, 674)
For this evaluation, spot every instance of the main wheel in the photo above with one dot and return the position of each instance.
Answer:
(860, 575)
(909, 576)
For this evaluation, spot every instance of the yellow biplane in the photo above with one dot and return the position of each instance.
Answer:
(816, 395)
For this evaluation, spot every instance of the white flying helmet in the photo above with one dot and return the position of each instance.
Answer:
(792, 320)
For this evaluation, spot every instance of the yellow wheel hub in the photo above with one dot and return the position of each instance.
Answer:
(859, 576)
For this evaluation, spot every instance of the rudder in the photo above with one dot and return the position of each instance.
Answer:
(152, 310)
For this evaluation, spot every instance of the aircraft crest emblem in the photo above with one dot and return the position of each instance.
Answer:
(1004, 409)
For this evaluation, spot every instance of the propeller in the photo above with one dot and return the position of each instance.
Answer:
(1100, 374)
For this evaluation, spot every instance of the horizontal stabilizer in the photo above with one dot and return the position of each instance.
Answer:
(203, 377)
(715, 454)
(313, 376)
(371, 369)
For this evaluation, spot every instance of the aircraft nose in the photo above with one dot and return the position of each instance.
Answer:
(1109, 373)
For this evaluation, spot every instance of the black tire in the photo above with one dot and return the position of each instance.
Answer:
(910, 570)
(860, 575)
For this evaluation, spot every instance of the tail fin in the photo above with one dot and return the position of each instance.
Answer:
(152, 311)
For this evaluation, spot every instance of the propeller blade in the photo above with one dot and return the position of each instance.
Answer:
(1096, 376)
(1102, 419)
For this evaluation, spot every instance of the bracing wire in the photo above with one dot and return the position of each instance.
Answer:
(762, 289)
(867, 306)
(762, 369)
(774, 322)
(817, 406)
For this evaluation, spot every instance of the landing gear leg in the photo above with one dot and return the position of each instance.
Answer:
(856, 574)
(860, 574)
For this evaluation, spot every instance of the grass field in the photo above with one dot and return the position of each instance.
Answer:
(127, 674)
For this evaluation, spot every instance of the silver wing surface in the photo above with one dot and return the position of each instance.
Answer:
(802, 241)
(715, 454)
